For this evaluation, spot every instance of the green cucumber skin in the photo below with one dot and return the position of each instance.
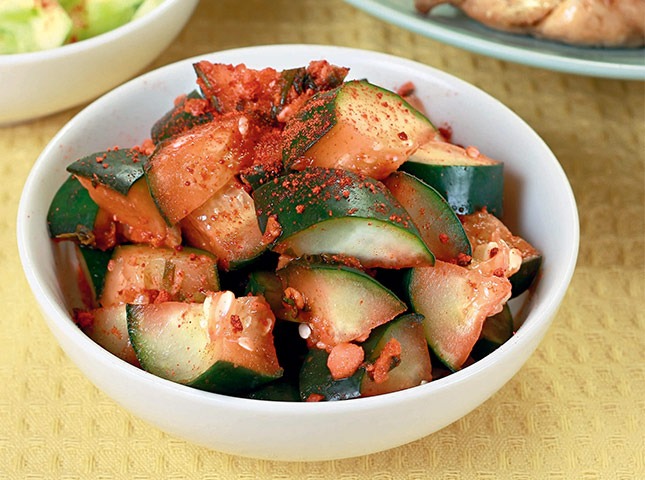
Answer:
(177, 121)
(414, 366)
(300, 80)
(435, 216)
(522, 280)
(495, 332)
(467, 189)
(318, 117)
(269, 285)
(316, 379)
(300, 200)
(229, 379)
(117, 169)
(257, 175)
(370, 345)
(291, 350)
(277, 391)
(97, 266)
(72, 211)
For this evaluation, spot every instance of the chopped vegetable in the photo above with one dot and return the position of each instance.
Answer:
(291, 236)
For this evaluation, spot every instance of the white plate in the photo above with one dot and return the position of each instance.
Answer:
(449, 25)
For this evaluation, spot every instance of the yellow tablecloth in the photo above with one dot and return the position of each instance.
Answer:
(575, 411)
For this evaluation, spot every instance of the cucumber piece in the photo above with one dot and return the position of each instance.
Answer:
(438, 224)
(140, 274)
(146, 7)
(115, 180)
(357, 126)
(94, 17)
(139, 220)
(72, 210)
(333, 211)
(224, 345)
(117, 169)
(28, 26)
(302, 79)
(522, 280)
(109, 328)
(269, 285)
(524, 260)
(257, 175)
(227, 226)
(467, 179)
(338, 303)
(95, 267)
(291, 350)
(74, 215)
(80, 272)
(278, 391)
(496, 331)
(316, 380)
(455, 301)
(179, 119)
(185, 172)
(409, 369)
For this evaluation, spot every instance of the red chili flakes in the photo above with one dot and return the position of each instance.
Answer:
(162, 296)
(236, 323)
(300, 208)
(446, 132)
(315, 397)
(195, 106)
(406, 89)
(443, 238)
(146, 148)
(463, 259)
(83, 319)
(344, 359)
(389, 358)
(403, 136)
(493, 251)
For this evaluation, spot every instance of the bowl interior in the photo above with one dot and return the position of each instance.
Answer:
(539, 205)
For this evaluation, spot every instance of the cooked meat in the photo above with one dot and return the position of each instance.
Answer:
(607, 23)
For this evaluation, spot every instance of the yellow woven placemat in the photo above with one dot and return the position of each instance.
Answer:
(575, 411)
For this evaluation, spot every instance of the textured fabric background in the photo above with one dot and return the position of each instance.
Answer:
(575, 411)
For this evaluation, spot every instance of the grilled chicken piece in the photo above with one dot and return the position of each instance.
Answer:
(604, 23)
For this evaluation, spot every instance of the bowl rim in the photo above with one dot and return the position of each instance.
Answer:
(43, 293)
(141, 23)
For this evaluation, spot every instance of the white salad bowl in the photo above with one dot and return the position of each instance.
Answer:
(539, 205)
(40, 83)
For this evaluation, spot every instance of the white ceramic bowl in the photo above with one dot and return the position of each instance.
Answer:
(539, 205)
(36, 84)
